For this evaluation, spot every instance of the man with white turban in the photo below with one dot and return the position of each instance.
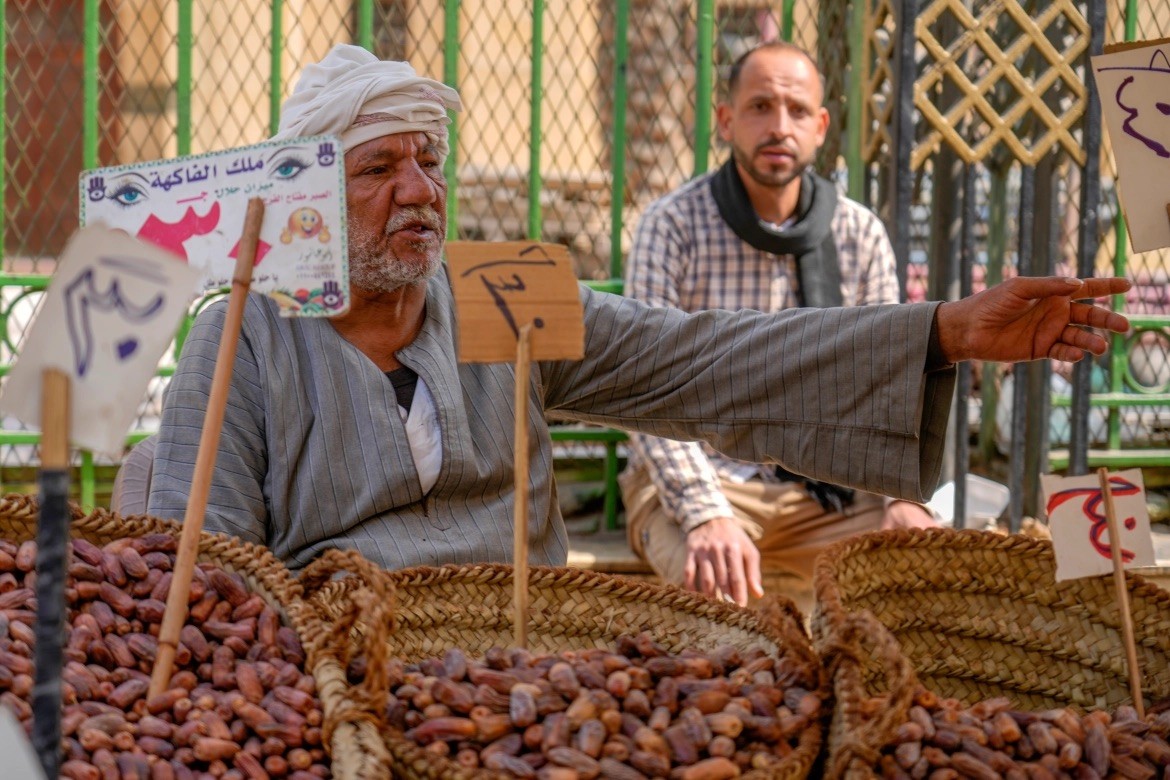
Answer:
(364, 431)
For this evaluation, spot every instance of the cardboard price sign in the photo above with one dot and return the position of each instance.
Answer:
(502, 286)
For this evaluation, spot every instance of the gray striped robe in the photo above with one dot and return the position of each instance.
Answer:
(313, 453)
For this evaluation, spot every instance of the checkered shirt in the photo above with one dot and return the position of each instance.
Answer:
(685, 256)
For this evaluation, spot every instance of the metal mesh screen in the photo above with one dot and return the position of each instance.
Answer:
(113, 81)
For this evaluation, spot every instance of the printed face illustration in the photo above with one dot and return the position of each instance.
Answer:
(305, 223)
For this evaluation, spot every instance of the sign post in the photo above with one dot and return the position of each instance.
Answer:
(1088, 540)
(175, 614)
(52, 566)
(1135, 678)
(517, 300)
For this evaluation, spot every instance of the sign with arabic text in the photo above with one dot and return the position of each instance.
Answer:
(1134, 82)
(501, 286)
(110, 312)
(1080, 528)
(194, 207)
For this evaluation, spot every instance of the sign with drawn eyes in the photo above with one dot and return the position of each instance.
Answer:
(1080, 529)
(111, 310)
(501, 286)
(194, 207)
(1134, 82)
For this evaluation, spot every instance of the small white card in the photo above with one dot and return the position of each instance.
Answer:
(1134, 82)
(195, 206)
(110, 312)
(1080, 528)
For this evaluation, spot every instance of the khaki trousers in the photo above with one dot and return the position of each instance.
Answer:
(788, 527)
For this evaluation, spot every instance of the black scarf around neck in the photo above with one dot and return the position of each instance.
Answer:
(810, 240)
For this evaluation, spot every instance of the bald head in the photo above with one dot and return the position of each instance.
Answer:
(782, 49)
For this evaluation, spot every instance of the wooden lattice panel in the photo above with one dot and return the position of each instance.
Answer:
(1000, 103)
(878, 108)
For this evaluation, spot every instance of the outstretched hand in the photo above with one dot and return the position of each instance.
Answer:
(1028, 318)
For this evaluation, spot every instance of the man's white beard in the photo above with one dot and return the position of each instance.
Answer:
(384, 272)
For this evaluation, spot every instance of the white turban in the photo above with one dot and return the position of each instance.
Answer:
(351, 82)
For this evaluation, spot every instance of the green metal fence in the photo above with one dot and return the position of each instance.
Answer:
(578, 114)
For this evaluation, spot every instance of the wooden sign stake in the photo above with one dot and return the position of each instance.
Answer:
(520, 537)
(1127, 632)
(52, 565)
(175, 614)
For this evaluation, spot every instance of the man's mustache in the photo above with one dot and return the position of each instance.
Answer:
(774, 143)
(413, 215)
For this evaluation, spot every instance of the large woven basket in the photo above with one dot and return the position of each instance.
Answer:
(263, 573)
(470, 607)
(971, 615)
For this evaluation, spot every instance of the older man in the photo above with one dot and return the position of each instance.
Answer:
(364, 431)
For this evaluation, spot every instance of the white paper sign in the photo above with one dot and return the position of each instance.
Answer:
(1135, 97)
(20, 762)
(111, 309)
(1080, 529)
(195, 206)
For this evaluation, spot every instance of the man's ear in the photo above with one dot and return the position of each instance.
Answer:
(823, 130)
(723, 120)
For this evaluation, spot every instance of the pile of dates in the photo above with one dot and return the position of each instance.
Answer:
(239, 707)
(946, 740)
(630, 713)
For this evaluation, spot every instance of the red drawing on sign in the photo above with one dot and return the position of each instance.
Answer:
(1094, 498)
(171, 235)
(262, 248)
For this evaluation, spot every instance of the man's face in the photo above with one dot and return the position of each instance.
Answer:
(396, 199)
(774, 121)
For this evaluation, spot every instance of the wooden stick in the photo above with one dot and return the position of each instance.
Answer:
(1135, 679)
(52, 565)
(520, 537)
(1110, 48)
(176, 612)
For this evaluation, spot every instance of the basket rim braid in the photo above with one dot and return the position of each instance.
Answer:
(971, 615)
(262, 570)
(435, 606)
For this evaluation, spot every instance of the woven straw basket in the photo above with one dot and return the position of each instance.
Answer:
(263, 573)
(470, 607)
(970, 615)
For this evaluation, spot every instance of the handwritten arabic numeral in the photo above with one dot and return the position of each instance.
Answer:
(77, 320)
(501, 304)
